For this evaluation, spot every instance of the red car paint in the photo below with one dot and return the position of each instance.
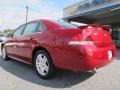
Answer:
(67, 46)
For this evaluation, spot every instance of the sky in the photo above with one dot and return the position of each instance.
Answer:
(12, 12)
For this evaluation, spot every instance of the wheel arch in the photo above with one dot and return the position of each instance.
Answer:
(39, 48)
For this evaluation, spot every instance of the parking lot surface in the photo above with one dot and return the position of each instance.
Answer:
(15, 75)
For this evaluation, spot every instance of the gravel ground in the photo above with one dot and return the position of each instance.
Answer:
(18, 76)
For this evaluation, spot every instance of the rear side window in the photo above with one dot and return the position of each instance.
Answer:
(30, 28)
(19, 31)
(41, 27)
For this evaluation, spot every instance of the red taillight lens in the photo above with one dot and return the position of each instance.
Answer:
(88, 38)
(87, 34)
(82, 39)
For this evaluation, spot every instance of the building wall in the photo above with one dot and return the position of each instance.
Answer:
(88, 5)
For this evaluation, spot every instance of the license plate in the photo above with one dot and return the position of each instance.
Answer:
(110, 55)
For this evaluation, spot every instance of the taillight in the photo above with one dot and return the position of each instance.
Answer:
(87, 34)
(82, 39)
(88, 38)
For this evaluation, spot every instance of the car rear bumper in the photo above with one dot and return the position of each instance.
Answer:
(97, 57)
(83, 58)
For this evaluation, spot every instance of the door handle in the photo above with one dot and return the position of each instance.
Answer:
(32, 38)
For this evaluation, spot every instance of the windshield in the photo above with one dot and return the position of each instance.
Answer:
(65, 24)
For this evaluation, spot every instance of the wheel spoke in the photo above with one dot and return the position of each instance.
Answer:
(44, 58)
(39, 70)
(40, 57)
(45, 61)
(46, 68)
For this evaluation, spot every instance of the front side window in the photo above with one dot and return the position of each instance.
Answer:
(30, 28)
(18, 31)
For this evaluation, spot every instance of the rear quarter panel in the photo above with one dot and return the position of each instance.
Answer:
(65, 56)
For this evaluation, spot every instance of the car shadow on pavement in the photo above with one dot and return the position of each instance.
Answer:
(62, 79)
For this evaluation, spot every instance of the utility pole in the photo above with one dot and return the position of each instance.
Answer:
(27, 8)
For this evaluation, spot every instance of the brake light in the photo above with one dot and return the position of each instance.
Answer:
(87, 34)
(82, 39)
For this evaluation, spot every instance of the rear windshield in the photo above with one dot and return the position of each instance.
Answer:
(65, 24)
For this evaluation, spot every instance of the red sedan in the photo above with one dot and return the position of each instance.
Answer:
(52, 45)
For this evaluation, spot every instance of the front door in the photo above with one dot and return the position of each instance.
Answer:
(25, 43)
(12, 42)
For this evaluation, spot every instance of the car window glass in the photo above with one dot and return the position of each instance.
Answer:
(18, 31)
(30, 28)
(41, 27)
(65, 24)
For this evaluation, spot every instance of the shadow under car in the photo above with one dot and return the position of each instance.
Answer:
(62, 78)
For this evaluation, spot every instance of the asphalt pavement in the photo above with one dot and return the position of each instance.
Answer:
(15, 75)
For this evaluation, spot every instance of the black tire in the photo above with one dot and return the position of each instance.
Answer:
(6, 58)
(51, 71)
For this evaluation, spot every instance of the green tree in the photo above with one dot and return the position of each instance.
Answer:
(8, 31)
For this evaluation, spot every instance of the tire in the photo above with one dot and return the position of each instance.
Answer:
(43, 65)
(4, 54)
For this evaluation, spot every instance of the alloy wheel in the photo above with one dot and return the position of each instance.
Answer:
(42, 64)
